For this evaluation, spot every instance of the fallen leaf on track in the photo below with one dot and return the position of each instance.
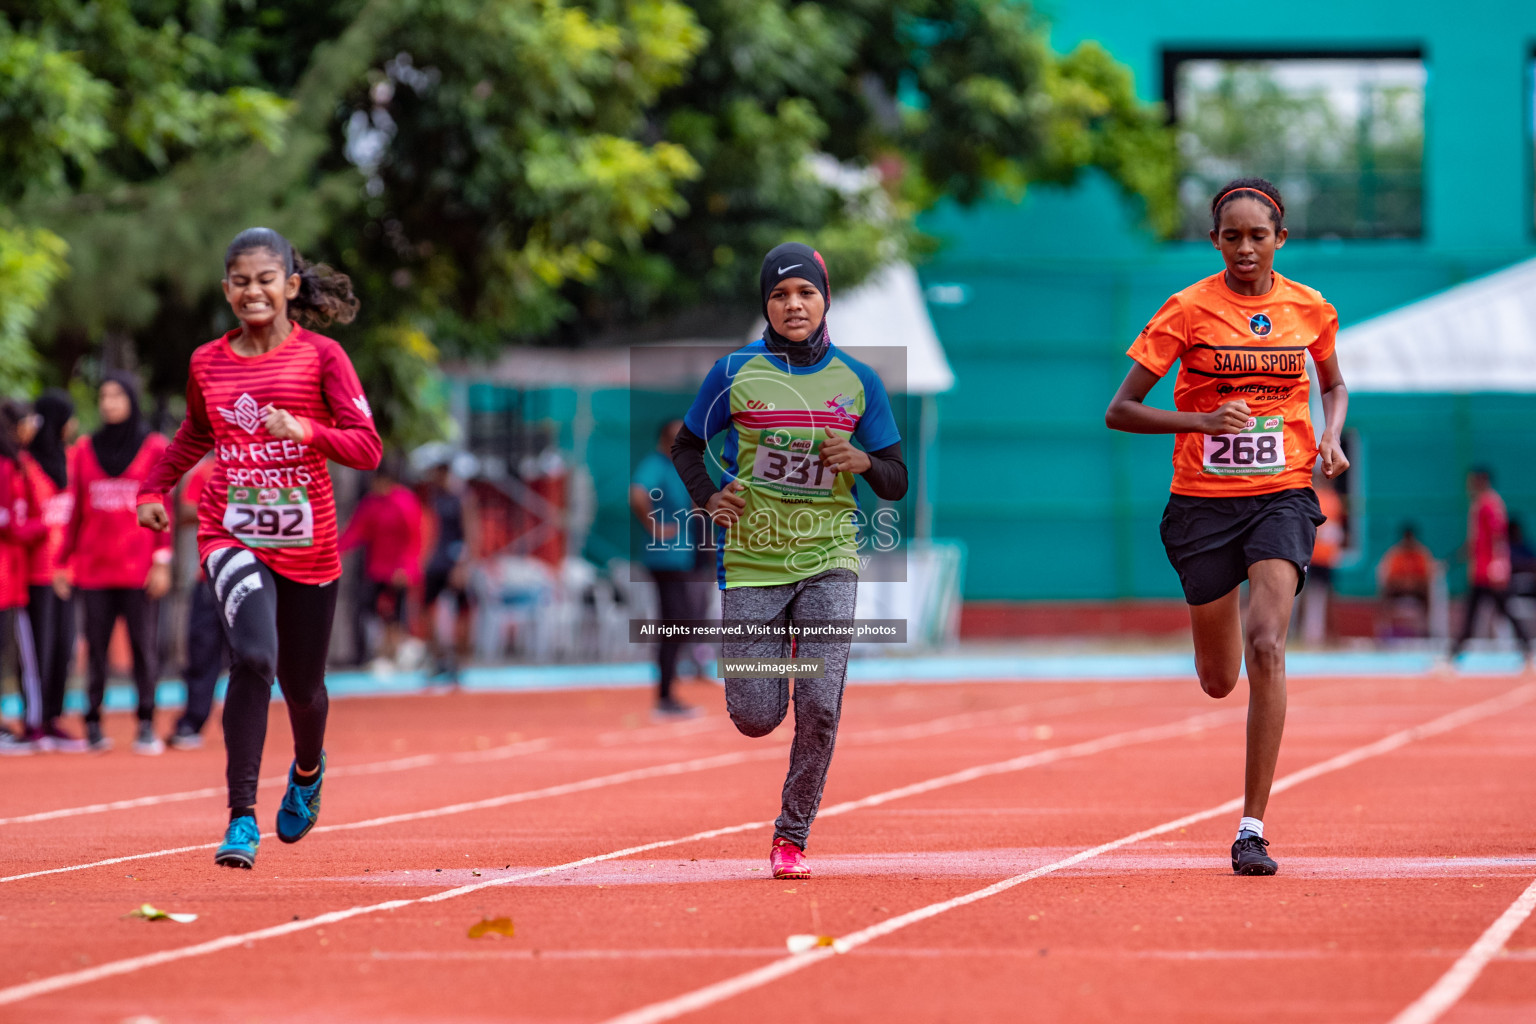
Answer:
(803, 943)
(149, 913)
(490, 926)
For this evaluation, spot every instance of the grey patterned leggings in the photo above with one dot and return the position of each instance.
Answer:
(757, 706)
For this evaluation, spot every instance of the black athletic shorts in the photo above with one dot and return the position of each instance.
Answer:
(438, 583)
(386, 601)
(1212, 541)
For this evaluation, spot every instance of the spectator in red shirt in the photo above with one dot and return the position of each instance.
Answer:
(21, 531)
(46, 436)
(387, 522)
(1488, 561)
(120, 570)
(206, 649)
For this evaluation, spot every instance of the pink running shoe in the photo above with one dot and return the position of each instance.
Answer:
(788, 860)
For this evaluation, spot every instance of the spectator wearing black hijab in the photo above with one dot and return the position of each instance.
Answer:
(120, 569)
(47, 434)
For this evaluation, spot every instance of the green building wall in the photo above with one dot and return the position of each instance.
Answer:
(1052, 290)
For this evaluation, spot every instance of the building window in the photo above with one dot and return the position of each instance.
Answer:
(1341, 135)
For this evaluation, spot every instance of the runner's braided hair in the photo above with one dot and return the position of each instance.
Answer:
(325, 294)
(1241, 188)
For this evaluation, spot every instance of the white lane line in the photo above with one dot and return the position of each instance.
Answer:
(678, 730)
(618, 778)
(672, 730)
(17, 993)
(1454, 983)
(563, 789)
(709, 995)
(399, 764)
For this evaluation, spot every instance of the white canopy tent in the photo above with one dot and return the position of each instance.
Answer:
(886, 312)
(1477, 336)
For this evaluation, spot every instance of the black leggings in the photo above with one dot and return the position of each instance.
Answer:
(16, 621)
(675, 590)
(102, 610)
(1500, 598)
(257, 607)
(205, 657)
(53, 634)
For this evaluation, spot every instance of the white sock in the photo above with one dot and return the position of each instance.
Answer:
(1253, 825)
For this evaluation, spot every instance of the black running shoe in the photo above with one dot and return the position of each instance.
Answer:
(1249, 858)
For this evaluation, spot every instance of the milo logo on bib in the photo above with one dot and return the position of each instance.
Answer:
(790, 464)
(1259, 450)
(270, 517)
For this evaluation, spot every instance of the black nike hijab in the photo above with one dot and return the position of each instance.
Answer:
(795, 259)
(55, 409)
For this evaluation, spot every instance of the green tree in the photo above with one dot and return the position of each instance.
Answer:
(500, 171)
(834, 122)
(1345, 143)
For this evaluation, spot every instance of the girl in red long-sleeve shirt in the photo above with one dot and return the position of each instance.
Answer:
(46, 435)
(21, 530)
(273, 400)
(119, 571)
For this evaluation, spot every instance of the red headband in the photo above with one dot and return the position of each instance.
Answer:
(1248, 188)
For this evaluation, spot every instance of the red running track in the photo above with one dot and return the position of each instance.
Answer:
(1103, 809)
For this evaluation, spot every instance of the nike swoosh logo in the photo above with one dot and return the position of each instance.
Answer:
(792, 266)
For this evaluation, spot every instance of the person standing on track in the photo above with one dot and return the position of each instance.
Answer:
(46, 435)
(661, 503)
(387, 521)
(273, 400)
(21, 533)
(206, 650)
(456, 519)
(120, 571)
(1488, 561)
(792, 403)
(1242, 507)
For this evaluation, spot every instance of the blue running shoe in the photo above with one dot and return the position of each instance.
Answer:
(239, 847)
(301, 806)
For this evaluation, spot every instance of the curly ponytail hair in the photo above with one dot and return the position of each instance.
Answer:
(325, 294)
(1249, 188)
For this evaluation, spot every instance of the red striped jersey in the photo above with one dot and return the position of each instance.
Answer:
(269, 495)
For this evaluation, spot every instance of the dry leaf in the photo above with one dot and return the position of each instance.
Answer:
(149, 913)
(489, 926)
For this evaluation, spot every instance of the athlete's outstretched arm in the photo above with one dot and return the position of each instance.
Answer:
(1330, 384)
(1129, 412)
(351, 439)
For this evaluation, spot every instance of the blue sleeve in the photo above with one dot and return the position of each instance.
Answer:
(711, 409)
(877, 427)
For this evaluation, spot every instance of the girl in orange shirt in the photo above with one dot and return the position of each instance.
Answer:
(1242, 505)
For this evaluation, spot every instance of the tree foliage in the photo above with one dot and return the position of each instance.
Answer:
(1345, 143)
(510, 171)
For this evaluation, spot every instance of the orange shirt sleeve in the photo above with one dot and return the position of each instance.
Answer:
(1327, 335)
(1163, 340)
